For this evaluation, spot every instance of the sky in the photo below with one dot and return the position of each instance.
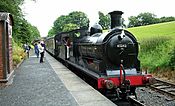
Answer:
(43, 13)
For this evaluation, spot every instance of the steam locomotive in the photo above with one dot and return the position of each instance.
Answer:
(110, 58)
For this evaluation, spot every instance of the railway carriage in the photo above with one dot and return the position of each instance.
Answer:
(50, 44)
(110, 58)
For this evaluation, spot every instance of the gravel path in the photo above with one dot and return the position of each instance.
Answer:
(153, 98)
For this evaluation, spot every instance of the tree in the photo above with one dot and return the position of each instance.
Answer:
(167, 19)
(60, 22)
(142, 19)
(11, 6)
(146, 18)
(79, 18)
(69, 27)
(34, 32)
(104, 20)
(51, 32)
(69, 22)
(23, 31)
(133, 21)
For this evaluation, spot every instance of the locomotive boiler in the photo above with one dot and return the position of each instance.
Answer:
(107, 51)
(110, 58)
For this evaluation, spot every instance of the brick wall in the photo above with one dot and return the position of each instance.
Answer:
(8, 49)
(6, 56)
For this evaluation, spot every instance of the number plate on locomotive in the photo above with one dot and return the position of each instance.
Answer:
(121, 45)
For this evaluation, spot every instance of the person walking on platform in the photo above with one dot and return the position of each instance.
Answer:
(36, 50)
(41, 50)
(27, 49)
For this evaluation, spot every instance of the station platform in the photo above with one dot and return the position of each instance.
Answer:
(48, 84)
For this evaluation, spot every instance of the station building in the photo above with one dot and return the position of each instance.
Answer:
(6, 61)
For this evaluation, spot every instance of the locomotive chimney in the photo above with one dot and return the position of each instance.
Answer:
(116, 19)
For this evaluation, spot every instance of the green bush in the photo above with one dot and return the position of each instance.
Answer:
(155, 52)
(18, 54)
(172, 59)
(156, 45)
(16, 59)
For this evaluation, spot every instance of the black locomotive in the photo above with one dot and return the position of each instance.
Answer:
(109, 58)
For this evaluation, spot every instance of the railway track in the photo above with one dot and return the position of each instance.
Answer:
(130, 101)
(164, 87)
(134, 102)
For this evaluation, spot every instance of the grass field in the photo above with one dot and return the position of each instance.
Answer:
(149, 31)
(157, 45)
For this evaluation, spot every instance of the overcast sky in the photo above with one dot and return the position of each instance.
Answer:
(43, 13)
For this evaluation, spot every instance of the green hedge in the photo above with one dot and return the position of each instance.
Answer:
(157, 52)
(18, 53)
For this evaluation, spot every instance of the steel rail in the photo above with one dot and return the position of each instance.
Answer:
(163, 86)
(134, 102)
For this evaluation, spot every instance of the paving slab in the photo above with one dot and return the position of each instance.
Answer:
(84, 94)
(36, 84)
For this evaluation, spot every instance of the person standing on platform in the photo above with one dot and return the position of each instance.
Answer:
(27, 49)
(36, 50)
(41, 50)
